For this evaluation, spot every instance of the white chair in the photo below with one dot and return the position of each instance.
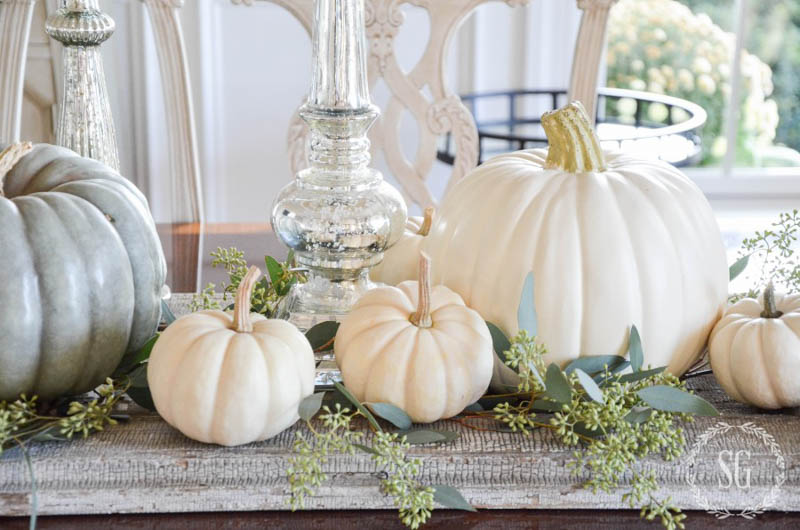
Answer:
(444, 114)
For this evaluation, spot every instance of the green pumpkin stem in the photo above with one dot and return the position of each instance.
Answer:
(574, 146)
(422, 318)
(9, 158)
(241, 306)
(770, 308)
(427, 222)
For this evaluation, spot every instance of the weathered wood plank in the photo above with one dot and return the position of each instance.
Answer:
(144, 466)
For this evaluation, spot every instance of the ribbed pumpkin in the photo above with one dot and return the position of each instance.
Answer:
(611, 240)
(417, 347)
(401, 261)
(231, 379)
(81, 271)
(755, 350)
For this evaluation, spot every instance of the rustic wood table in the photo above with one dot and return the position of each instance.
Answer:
(144, 474)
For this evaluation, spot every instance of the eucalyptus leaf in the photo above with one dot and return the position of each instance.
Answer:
(558, 387)
(357, 404)
(499, 341)
(490, 402)
(583, 430)
(310, 406)
(394, 415)
(449, 497)
(638, 415)
(601, 379)
(737, 268)
(274, 270)
(638, 376)
(322, 334)
(51, 434)
(133, 359)
(142, 397)
(166, 313)
(595, 363)
(535, 371)
(635, 352)
(138, 376)
(670, 399)
(475, 407)
(366, 449)
(546, 405)
(591, 388)
(426, 436)
(526, 312)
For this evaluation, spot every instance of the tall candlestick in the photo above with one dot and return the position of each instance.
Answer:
(85, 124)
(339, 215)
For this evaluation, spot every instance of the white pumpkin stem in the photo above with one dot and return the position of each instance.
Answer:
(770, 308)
(9, 158)
(422, 318)
(241, 306)
(574, 146)
(427, 222)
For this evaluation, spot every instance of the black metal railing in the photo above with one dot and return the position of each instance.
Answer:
(516, 130)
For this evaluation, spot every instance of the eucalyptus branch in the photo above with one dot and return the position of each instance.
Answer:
(268, 292)
(21, 422)
(605, 414)
(777, 248)
(388, 450)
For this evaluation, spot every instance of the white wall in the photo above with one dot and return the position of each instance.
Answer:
(250, 71)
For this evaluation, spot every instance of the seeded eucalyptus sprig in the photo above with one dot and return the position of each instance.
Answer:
(21, 421)
(777, 246)
(614, 419)
(268, 292)
(389, 451)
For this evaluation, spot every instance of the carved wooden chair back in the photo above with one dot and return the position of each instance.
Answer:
(438, 114)
(442, 112)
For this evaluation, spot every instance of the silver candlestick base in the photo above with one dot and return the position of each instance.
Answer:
(339, 215)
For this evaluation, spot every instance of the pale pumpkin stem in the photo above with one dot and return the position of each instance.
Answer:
(241, 306)
(574, 146)
(770, 308)
(9, 158)
(422, 318)
(427, 222)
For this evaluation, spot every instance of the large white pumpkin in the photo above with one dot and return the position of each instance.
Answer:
(231, 379)
(611, 240)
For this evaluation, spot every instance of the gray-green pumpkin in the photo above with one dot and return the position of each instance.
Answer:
(81, 273)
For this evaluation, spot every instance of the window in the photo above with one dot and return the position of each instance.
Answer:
(715, 53)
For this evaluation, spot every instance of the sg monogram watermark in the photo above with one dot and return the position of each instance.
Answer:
(756, 469)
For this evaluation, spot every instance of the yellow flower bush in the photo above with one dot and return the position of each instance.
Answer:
(662, 46)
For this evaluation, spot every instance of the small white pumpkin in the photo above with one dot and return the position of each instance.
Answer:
(401, 261)
(418, 348)
(231, 380)
(755, 351)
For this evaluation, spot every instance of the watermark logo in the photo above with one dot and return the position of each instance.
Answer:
(744, 460)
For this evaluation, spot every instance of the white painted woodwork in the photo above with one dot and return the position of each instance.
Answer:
(15, 23)
(39, 94)
(184, 175)
(589, 50)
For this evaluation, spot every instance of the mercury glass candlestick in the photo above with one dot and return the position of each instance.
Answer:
(85, 124)
(339, 215)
